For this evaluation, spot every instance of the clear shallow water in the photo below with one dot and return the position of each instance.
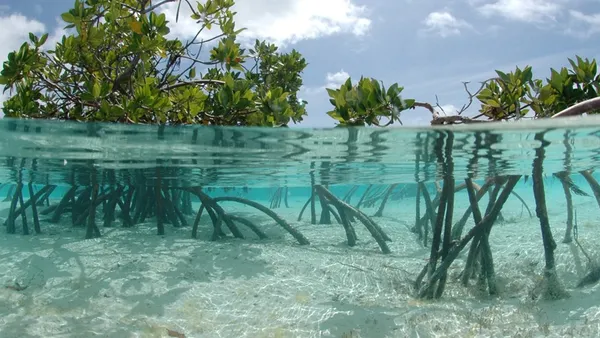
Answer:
(257, 157)
(132, 283)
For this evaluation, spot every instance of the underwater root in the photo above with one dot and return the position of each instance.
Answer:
(326, 206)
(346, 211)
(280, 194)
(250, 225)
(136, 203)
(552, 289)
(386, 197)
(426, 289)
(523, 202)
(15, 211)
(218, 215)
(592, 277)
(480, 246)
(421, 227)
(283, 223)
(549, 287)
(458, 228)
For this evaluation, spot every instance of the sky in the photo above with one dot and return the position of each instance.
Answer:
(429, 47)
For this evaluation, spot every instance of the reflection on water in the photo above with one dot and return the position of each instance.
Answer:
(52, 152)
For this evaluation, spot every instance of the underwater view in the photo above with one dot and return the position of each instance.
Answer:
(480, 230)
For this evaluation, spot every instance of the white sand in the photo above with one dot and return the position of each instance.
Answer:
(133, 283)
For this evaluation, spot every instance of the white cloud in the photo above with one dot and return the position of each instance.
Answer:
(332, 80)
(336, 80)
(446, 109)
(535, 11)
(15, 30)
(444, 24)
(284, 21)
(584, 25)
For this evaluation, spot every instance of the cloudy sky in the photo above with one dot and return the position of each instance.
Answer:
(429, 47)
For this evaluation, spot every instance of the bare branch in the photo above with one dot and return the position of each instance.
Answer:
(437, 104)
(195, 60)
(426, 106)
(126, 74)
(455, 119)
(211, 39)
(151, 8)
(195, 82)
(471, 96)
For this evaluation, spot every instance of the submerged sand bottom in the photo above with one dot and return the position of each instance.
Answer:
(133, 283)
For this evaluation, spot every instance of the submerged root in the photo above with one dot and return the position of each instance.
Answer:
(549, 287)
(283, 223)
(455, 250)
(216, 221)
(209, 203)
(218, 214)
(345, 211)
(250, 225)
(279, 195)
(385, 198)
(20, 205)
(592, 277)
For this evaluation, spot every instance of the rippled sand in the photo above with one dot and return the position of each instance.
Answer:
(132, 283)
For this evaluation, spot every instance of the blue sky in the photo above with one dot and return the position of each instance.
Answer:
(427, 46)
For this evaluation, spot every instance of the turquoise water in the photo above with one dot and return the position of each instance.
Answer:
(100, 184)
(255, 157)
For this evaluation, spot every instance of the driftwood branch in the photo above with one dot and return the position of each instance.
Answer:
(580, 108)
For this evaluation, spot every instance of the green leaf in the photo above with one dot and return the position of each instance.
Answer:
(332, 92)
(225, 96)
(573, 64)
(503, 76)
(68, 17)
(492, 102)
(164, 30)
(557, 83)
(335, 115)
(485, 93)
(136, 26)
(42, 40)
(527, 74)
(161, 20)
(87, 97)
(545, 93)
(348, 83)
(96, 90)
(239, 31)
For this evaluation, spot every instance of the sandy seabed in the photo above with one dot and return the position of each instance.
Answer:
(133, 283)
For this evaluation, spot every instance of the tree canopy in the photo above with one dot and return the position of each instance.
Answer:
(118, 63)
(120, 66)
